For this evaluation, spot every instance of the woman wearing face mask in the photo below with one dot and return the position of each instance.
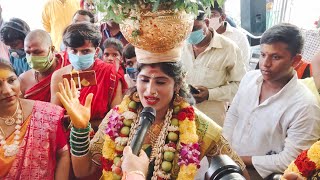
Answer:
(32, 142)
(35, 83)
(12, 34)
(178, 139)
(82, 41)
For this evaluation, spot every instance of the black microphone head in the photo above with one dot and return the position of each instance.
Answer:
(149, 111)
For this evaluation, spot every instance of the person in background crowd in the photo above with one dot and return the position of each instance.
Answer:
(4, 50)
(35, 83)
(214, 66)
(12, 34)
(273, 116)
(89, 5)
(33, 145)
(111, 29)
(112, 54)
(78, 17)
(217, 21)
(56, 16)
(131, 64)
(82, 41)
(83, 16)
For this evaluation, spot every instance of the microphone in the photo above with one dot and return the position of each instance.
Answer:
(147, 117)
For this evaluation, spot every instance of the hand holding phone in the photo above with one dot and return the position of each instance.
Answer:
(82, 79)
(193, 90)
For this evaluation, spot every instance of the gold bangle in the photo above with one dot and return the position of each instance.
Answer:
(136, 172)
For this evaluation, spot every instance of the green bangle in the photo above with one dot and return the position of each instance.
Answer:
(80, 135)
(81, 130)
(78, 139)
(79, 153)
(76, 148)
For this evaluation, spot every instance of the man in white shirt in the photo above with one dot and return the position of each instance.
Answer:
(217, 21)
(273, 116)
(214, 66)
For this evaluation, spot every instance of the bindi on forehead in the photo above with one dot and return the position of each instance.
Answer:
(4, 74)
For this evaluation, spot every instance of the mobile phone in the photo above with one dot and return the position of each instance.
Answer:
(83, 78)
(193, 90)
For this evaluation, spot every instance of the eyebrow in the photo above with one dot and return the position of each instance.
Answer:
(159, 77)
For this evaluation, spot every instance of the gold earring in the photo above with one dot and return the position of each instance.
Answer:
(135, 97)
(177, 99)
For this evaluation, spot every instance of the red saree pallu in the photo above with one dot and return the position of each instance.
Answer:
(103, 92)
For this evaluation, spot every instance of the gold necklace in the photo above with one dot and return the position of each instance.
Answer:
(10, 120)
(153, 133)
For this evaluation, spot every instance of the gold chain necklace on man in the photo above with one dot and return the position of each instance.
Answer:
(10, 120)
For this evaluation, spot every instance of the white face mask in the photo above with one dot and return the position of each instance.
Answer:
(215, 23)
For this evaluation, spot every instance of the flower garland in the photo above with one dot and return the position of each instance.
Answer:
(180, 139)
(307, 163)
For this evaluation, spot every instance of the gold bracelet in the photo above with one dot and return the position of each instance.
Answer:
(136, 172)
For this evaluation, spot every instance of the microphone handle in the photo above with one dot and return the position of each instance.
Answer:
(138, 138)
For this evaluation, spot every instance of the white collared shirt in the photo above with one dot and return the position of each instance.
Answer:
(275, 131)
(219, 68)
(240, 39)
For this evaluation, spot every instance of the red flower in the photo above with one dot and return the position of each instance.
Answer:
(187, 112)
(106, 164)
(182, 116)
(305, 166)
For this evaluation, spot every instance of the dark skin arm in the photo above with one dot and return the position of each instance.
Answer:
(203, 95)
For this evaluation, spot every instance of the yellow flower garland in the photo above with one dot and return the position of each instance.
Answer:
(188, 135)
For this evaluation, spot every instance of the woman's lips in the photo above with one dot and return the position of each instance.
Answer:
(150, 100)
(8, 99)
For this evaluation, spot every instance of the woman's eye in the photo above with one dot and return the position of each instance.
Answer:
(161, 82)
(144, 80)
(10, 81)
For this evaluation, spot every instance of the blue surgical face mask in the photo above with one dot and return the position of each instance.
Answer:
(132, 72)
(81, 62)
(196, 37)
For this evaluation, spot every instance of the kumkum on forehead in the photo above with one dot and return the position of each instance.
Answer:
(4, 74)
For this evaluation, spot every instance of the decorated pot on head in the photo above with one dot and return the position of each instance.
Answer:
(154, 27)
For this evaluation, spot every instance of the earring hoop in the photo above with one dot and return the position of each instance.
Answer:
(135, 97)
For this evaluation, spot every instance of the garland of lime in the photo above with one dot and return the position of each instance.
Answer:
(181, 138)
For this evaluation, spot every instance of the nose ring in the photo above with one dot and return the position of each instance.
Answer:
(155, 94)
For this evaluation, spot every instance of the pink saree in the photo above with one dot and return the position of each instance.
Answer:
(36, 158)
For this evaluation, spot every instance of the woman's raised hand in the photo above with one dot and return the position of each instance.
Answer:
(79, 114)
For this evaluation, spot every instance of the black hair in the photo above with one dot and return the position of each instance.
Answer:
(201, 12)
(76, 34)
(285, 33)
(174, 70)
(4, 64)
(128, 51)
(114, 43)
(13, 30)
(85, 13)
(217, 7)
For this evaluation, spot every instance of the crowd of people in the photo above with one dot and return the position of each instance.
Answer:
(71, 95)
